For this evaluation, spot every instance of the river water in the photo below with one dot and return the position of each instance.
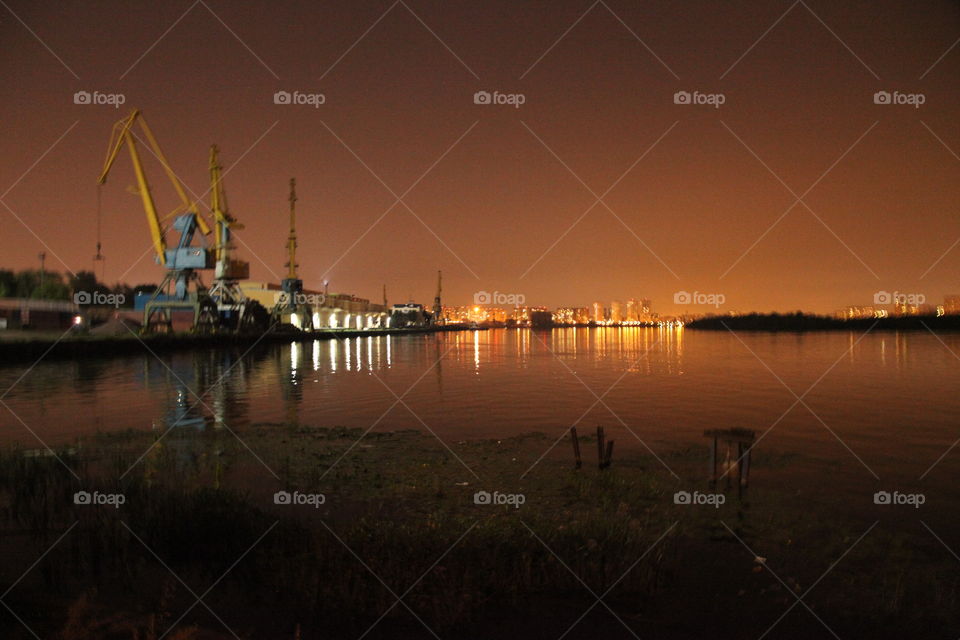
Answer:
(870, 406)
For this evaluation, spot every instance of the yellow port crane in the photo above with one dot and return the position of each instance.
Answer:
(181, 288)
(234, 308)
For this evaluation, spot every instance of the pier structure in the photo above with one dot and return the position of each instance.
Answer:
(326, 310)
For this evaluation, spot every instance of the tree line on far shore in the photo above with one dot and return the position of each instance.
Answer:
(800, 321)
(53, 285)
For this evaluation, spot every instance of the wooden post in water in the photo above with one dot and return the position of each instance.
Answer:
(713, 461)
(576, 447)
(745, 464)
(744, 440)
(608, 457)
(599, 447)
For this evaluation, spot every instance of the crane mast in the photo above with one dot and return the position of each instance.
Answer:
(437, 307)
(291, 307)
(292, 238)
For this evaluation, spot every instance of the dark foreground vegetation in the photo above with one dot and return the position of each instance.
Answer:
(807, 322)
(199, 549)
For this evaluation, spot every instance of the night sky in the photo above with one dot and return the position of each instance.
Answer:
(501, 198)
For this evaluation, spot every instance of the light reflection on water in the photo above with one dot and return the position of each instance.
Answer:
(888, 397)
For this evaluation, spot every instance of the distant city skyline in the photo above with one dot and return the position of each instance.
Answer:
(561, 151)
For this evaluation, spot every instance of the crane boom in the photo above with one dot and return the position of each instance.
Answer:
(123, 135)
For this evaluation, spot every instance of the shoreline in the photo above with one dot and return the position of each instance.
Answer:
(14, 349)
(71, 347)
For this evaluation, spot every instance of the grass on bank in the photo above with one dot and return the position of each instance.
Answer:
(399, 514)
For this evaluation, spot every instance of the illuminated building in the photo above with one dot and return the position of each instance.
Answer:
(564, 315)
(480, 314)
(598, 314)
(951, 305)
(571, 316)
(646, 311)
(854, 313)
(616, 312)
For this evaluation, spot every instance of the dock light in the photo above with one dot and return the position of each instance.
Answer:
(77, 320)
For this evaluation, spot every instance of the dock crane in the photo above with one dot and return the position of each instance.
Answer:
(181, 288)
(291, 307)
(235, 310)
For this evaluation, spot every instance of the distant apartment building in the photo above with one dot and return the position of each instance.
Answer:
(480, 314)
(646, 309)
(571, 316)
(951, 305)
(598, 313)
(616, 312)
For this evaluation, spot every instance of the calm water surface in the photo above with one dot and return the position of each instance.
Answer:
(883, 403)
